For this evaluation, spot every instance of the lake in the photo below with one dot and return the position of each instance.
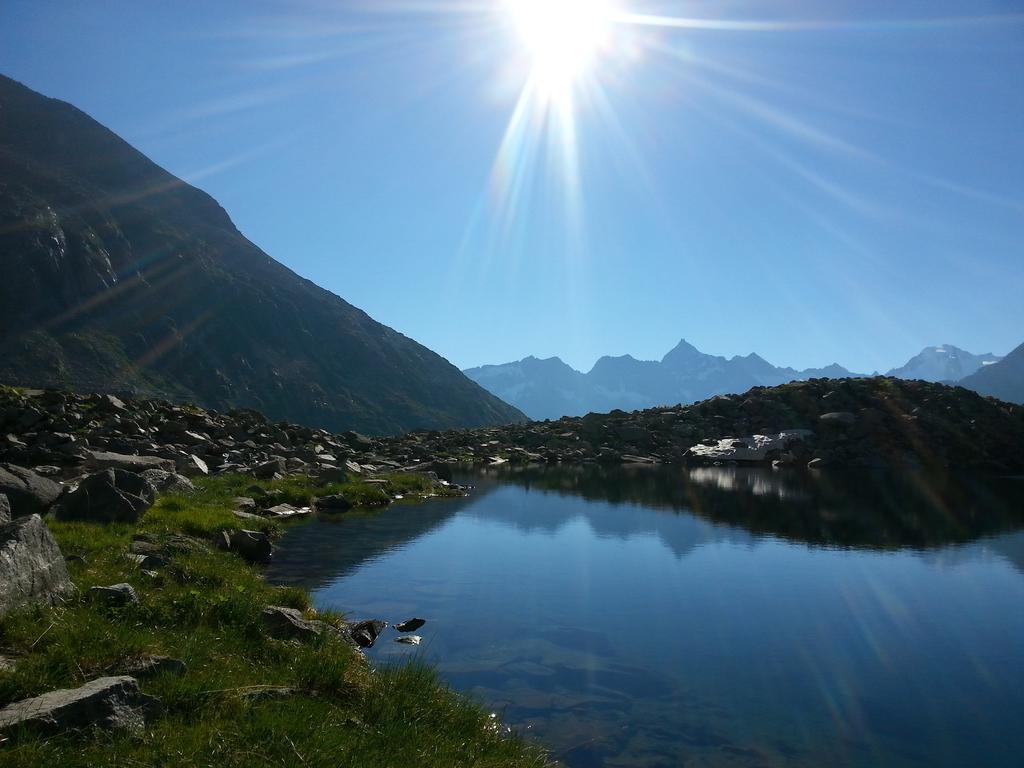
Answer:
(706, 617)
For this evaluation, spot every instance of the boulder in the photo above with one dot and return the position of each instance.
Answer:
(191, 465)
(409, 639)
(168, 482)
(756, 448)
(32, 569)
(289, 624)
(28, 492)
(5, 509)
(840, 419)
(253, 546)
(268, 469)
(110, 496)
(114, 596)
(109, 703)
(335, 503)
(106, 460)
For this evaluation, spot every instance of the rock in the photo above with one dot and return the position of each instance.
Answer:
(105, 460)
(5, 509)
(838, 419)
(289, 624)
(244, 503)
(111, 703)
(409, 639)
(27, 492)
(756, 448)
(365, 633)
(110, 496)
(286, 511)
(148, 666)
(191, 465)
(253, 546)
(168, 482)
(149, 562)
(335, 503)
(268, 469)
(114, 596)
(410, 625)
(32, 569)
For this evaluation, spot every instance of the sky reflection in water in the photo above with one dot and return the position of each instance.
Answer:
(725, 617)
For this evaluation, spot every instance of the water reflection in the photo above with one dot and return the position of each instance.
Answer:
(654, 617)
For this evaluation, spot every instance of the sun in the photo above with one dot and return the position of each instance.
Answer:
(563, 38)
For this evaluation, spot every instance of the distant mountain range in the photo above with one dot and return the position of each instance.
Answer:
(117, 276)
(945, 363)
(550, 389)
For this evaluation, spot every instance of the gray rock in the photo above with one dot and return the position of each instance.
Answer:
(110, 496)
(191, 465)
(32, 569)
(148, 666)
(335, 503)
(168, 482)
(289, 624)
(409, 639)
(5, 509)
(267, 470)
(114, 596)
(285, 511)
(253, 546)
(111, 703)
(365, 633)
(28, 493)
(106, 460)
(838, 419)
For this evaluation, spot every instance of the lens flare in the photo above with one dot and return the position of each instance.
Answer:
(563, 38)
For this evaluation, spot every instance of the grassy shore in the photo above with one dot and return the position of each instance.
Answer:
(204, 608)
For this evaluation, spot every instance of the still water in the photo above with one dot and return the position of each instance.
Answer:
(711, 617)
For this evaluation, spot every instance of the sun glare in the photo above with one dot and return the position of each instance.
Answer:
(563, 38)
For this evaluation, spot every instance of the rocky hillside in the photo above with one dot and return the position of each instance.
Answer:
(119, 277)
(1004, 379)
(867, 422)
(822, 423)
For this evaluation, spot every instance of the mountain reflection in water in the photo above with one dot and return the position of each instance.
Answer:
(723, 616)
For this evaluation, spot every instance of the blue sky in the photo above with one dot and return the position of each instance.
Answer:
(844, 182)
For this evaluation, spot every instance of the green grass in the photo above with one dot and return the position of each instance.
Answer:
(205, 608)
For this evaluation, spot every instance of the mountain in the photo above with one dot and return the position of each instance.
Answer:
(550, 389)
(120, 277)
(943, 363)
(1004, 379)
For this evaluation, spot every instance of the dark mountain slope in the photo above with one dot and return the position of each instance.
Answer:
(1004, 379)
(117, 276)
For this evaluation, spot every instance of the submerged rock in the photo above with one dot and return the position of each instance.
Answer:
(112, 703)
(410, 625)
(32, 569)
(409, 639)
